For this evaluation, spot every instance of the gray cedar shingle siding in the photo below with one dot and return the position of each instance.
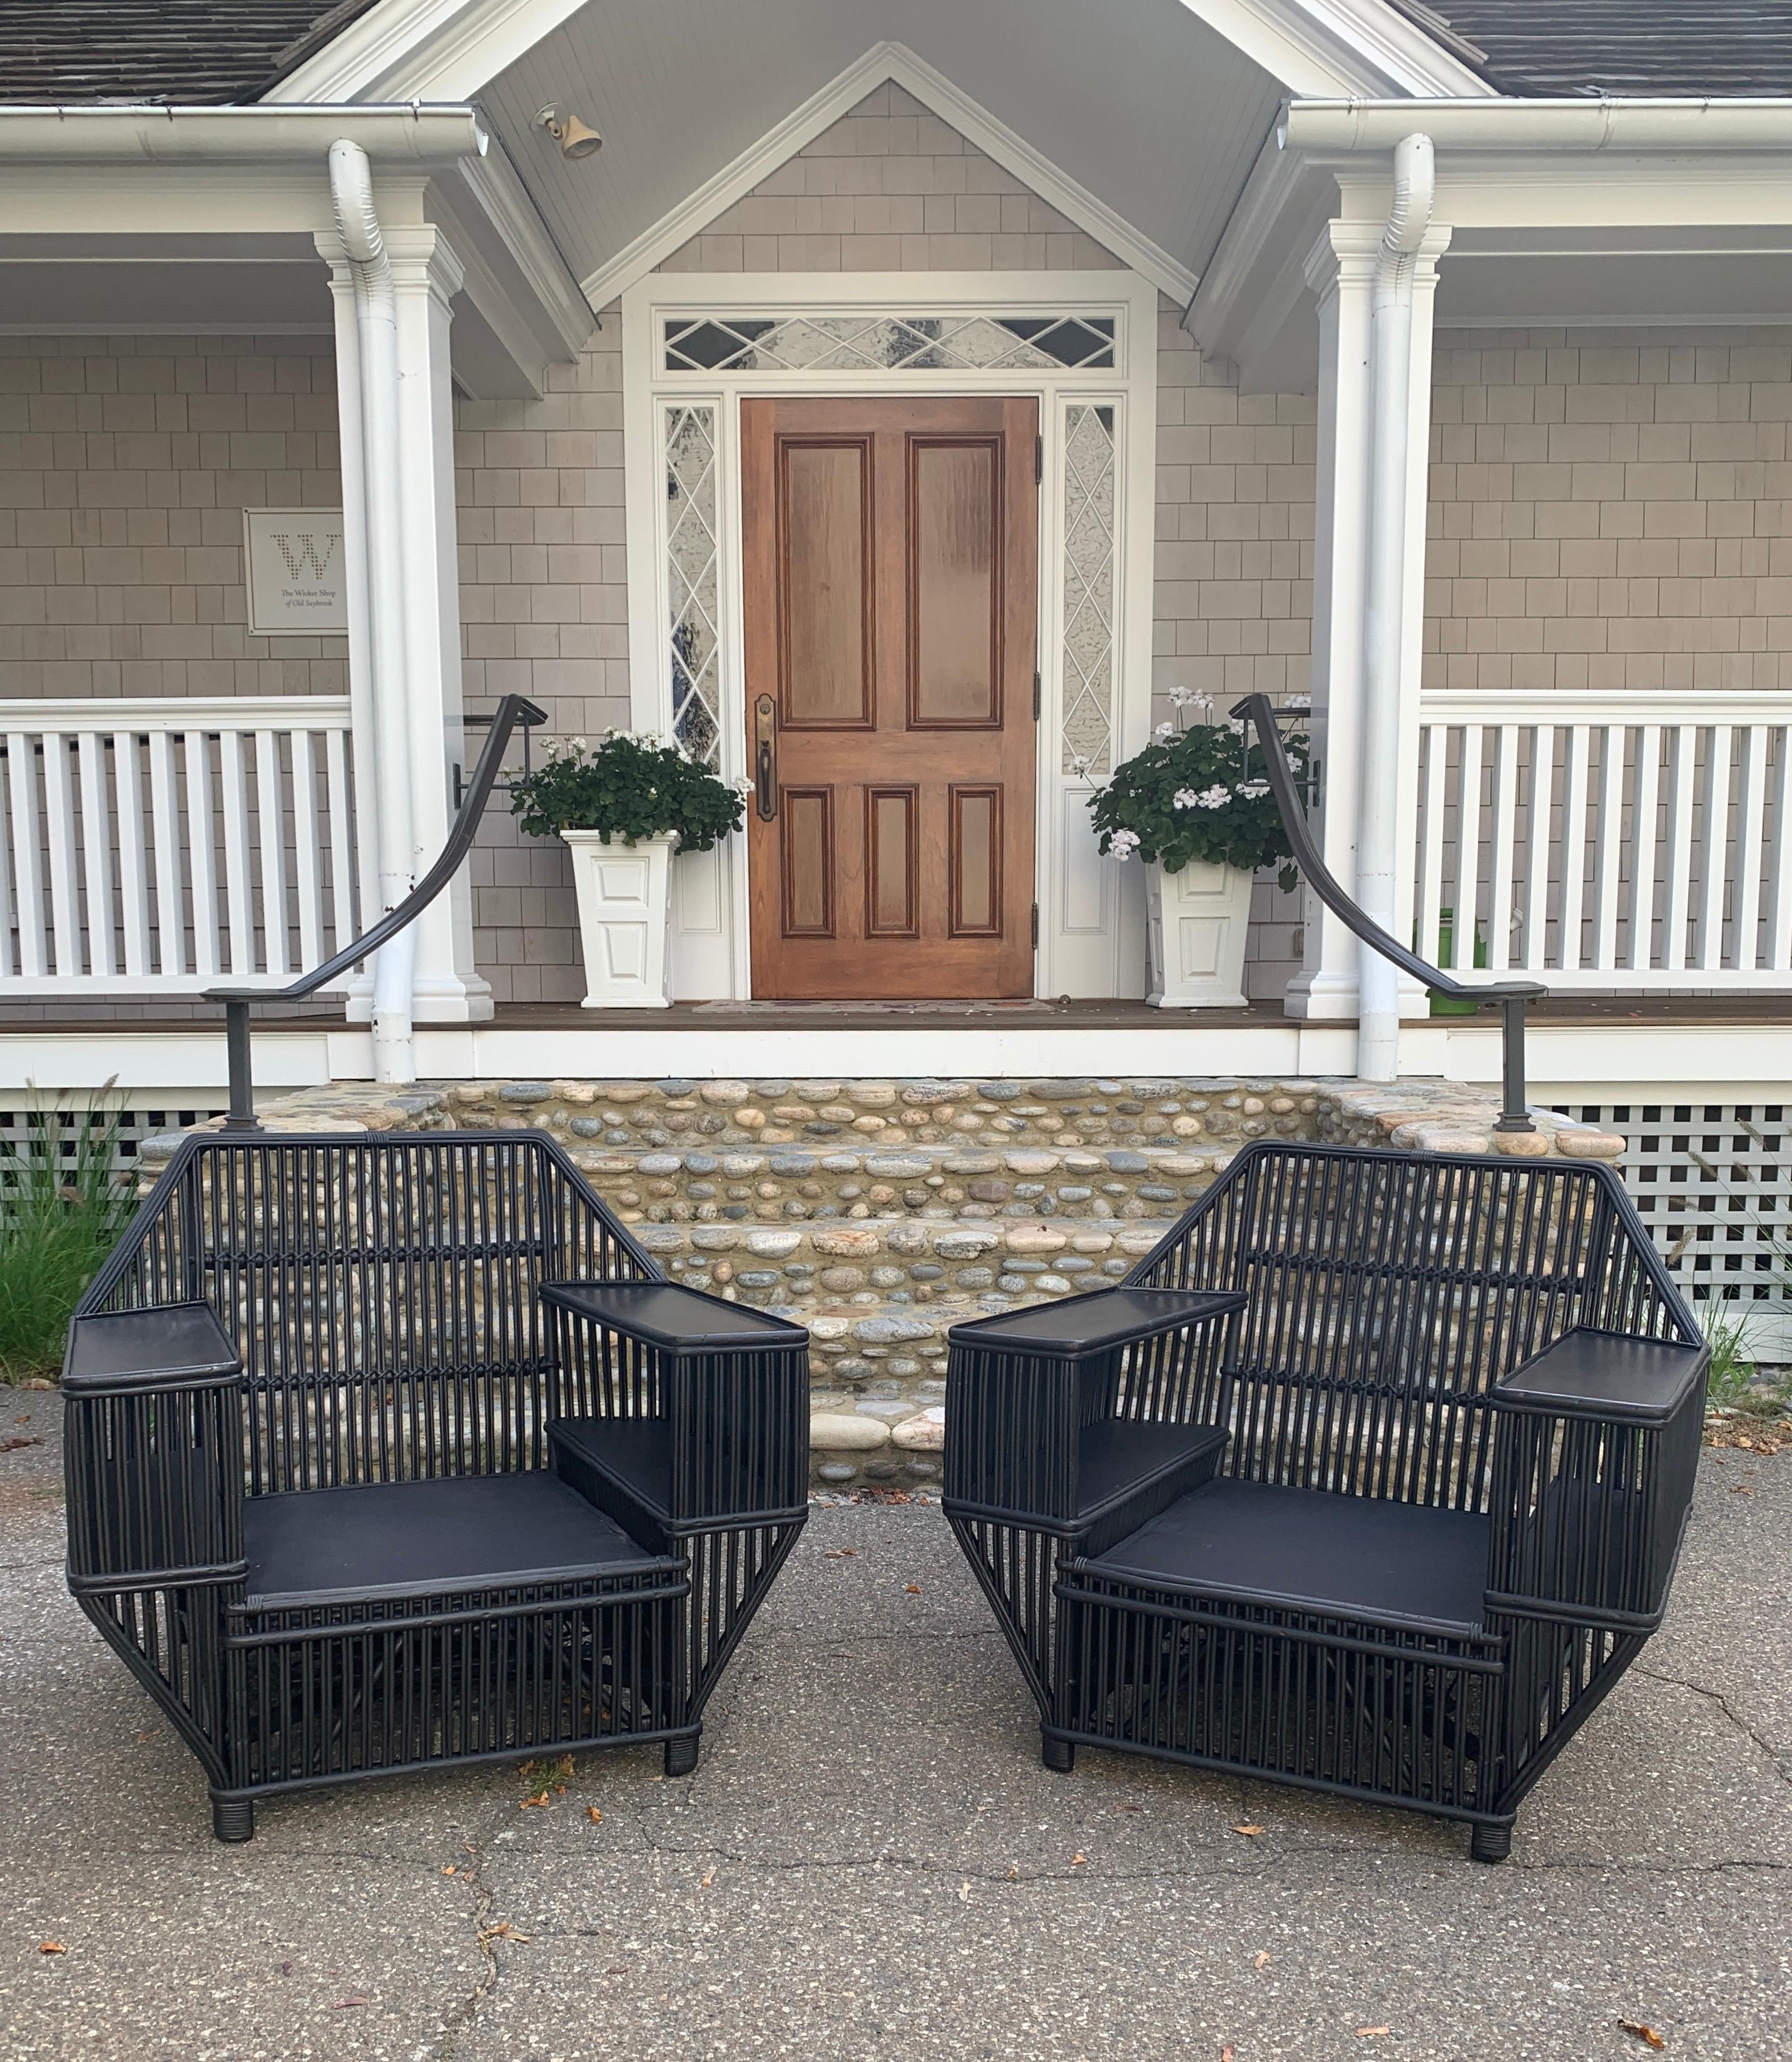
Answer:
(1551, 49)
(189, 53)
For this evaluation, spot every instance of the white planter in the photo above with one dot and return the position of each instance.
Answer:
(625, 891)
(1196, 922)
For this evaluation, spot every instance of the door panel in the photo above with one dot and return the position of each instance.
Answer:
(824, 591)
(891, 550)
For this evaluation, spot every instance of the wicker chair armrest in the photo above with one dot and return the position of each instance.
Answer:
(153, 1450)
(1595, 1451)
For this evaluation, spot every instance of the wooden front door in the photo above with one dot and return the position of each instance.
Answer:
(891, 562)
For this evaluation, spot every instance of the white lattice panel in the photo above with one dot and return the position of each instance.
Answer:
(1713, 1182)
(135, 1124)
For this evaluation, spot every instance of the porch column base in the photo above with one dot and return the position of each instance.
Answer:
(1331, 998)
(436, 999)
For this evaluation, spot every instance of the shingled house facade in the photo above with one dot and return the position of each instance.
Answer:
(1434, 364)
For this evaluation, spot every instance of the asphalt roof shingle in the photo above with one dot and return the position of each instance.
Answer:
(1664, 49)
(197, 53)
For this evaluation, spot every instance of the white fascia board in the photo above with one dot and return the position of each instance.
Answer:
(493, 209)
(1361, 47)
(935, 92)
(427, 137)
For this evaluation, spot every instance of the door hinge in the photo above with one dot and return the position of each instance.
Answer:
(1035, 694)
(1039, 461)
(1035, 927)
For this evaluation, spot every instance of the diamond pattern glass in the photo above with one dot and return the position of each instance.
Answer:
(694, 611)
(1089, 611)
(884, 342)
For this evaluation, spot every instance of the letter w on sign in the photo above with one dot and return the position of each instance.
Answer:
(302, 555)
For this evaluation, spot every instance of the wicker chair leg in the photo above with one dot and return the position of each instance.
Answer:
(1490, 1843)
(232, 1820)
(680, 1754)
(1058, 1754)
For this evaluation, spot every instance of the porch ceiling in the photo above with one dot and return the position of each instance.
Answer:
(1160, 124)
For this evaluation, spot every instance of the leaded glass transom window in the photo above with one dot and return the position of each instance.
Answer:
(886, 342)
(1089, 585)
(693, 609)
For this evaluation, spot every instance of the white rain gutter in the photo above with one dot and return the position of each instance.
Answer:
(415, 136)
(1325, 128)
(376, 331)
(1391, 328)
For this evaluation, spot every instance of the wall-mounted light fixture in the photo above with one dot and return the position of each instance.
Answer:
(575, 138)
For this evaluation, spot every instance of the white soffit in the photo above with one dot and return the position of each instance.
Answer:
(1143, 149)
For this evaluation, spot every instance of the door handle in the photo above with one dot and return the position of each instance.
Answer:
(765, 758)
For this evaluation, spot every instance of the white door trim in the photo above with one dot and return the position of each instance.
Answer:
(1090, 932)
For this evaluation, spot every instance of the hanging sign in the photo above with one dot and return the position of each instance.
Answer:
(298, 575)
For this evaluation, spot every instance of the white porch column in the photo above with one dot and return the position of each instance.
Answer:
(426, 275)
(1394, 617)
(1340, 269)
(413, 737)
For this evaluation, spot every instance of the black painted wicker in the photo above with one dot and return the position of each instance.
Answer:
(1386, 1510)
(388, 1451)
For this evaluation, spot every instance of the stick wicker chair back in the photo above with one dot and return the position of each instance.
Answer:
(1384, 1498)
(387, 1451)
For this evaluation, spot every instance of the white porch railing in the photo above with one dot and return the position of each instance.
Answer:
(1609, 841)
(155, 848)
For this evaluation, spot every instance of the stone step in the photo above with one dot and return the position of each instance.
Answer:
(653, 1185)
(910, 1262)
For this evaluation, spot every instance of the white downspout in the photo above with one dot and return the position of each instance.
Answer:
(376, 323)
(1391, 319)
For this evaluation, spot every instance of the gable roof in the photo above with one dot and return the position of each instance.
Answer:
(1661, 49)
(196, 53)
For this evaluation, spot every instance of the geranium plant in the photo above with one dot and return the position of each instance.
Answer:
(1195, 793)
(629, 785)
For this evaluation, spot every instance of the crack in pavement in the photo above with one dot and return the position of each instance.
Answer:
(1778, 1756)
(460, 2018)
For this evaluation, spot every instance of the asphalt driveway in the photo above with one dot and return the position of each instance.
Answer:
(871, 1862)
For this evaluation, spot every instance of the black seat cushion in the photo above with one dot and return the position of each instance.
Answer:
(1349, 1556)
(463, 1532)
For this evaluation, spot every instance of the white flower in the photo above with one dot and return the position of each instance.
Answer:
(1294, 763)
(1165, 730)
(1185, 798)
(1080, 763)
(1202, 701)
(1253, 790)
(1297, 701)
(1180, 697)
(1236, 726)
(1215, 797)
(1122, 844)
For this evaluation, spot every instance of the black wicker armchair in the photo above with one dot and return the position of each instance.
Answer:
(1370, 1478)
(388, 1451)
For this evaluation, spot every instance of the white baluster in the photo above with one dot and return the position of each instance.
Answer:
(270, 819)
(59, 811)
(342, 863)
(1431, 857)
(1573, 850)
(306, 852)
(1538, 868)
(236, 856)
(1680, 858)
(1644, 838)
(1505, 826)
(128, 778)
(1750, 858)
(1467, 851)
(96, 851)
(171, 918)
(1714, 842)
(22, 782)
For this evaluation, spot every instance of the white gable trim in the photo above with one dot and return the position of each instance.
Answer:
(882, 62)
(448, 49)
